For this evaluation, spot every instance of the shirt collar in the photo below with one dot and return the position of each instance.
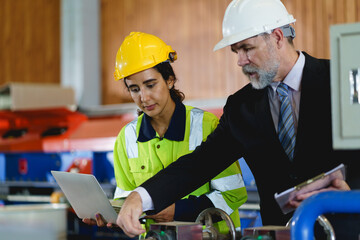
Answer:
(175, 131)
(293, 79)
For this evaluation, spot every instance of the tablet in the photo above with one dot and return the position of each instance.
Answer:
(85, 195)
(321, 181)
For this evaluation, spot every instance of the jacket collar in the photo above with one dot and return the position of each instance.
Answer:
(175, 131)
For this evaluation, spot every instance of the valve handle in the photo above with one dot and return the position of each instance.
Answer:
(210, 232)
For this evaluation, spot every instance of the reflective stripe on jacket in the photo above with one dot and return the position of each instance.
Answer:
(135, 162)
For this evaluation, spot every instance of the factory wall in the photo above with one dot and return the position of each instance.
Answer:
(30, 39)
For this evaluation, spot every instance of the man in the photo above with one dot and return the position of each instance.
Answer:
(280, 123)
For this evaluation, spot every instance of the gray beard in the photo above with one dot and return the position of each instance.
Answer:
(267, 74)
(265, 78)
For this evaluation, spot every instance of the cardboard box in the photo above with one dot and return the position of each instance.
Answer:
(29, 96)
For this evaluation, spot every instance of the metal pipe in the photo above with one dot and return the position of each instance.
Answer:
(324, 222)
(329, 230)
(302, 224)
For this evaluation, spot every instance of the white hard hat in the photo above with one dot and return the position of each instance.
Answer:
(247, 18)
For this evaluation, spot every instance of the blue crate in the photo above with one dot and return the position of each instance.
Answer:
(102, 163)
(37, 166)
(103, 167)
(28, 166)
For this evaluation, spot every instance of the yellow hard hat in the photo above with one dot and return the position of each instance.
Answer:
(141, 51)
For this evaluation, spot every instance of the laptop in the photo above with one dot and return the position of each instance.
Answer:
(85, 195)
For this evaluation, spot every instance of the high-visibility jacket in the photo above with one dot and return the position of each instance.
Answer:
(135, 161)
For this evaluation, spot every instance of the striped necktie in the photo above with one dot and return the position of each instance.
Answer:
(286, 128)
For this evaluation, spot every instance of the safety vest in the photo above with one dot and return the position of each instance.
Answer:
(135, 162)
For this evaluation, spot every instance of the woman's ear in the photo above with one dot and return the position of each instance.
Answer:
(170, 82)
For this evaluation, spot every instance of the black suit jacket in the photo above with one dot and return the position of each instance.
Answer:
(246, 129)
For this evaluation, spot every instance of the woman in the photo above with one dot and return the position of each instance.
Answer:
(165, 130)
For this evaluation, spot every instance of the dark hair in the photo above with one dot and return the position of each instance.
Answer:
(289, 38)
(166, 70)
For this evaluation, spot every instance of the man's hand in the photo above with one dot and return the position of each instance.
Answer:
(336, 185)
(128, 218)
(166, 215)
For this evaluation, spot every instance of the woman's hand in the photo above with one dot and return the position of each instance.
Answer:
(99, 221)
(166, 215)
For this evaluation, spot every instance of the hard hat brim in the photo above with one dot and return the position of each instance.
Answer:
(230, 40)
(252, 32)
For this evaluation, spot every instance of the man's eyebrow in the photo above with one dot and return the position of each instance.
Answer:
(234, 47)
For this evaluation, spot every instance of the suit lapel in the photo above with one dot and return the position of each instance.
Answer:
(263, 113)
(311, 90)
(266, 122)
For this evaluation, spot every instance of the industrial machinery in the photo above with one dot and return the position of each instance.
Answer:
(175, 231)
(34, 142)
(284, 232)
(204, 229)
(194, 230)
(210, 232)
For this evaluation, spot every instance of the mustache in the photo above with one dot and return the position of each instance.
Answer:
(249, 69)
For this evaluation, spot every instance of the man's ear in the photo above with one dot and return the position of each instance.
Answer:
(278, 35)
